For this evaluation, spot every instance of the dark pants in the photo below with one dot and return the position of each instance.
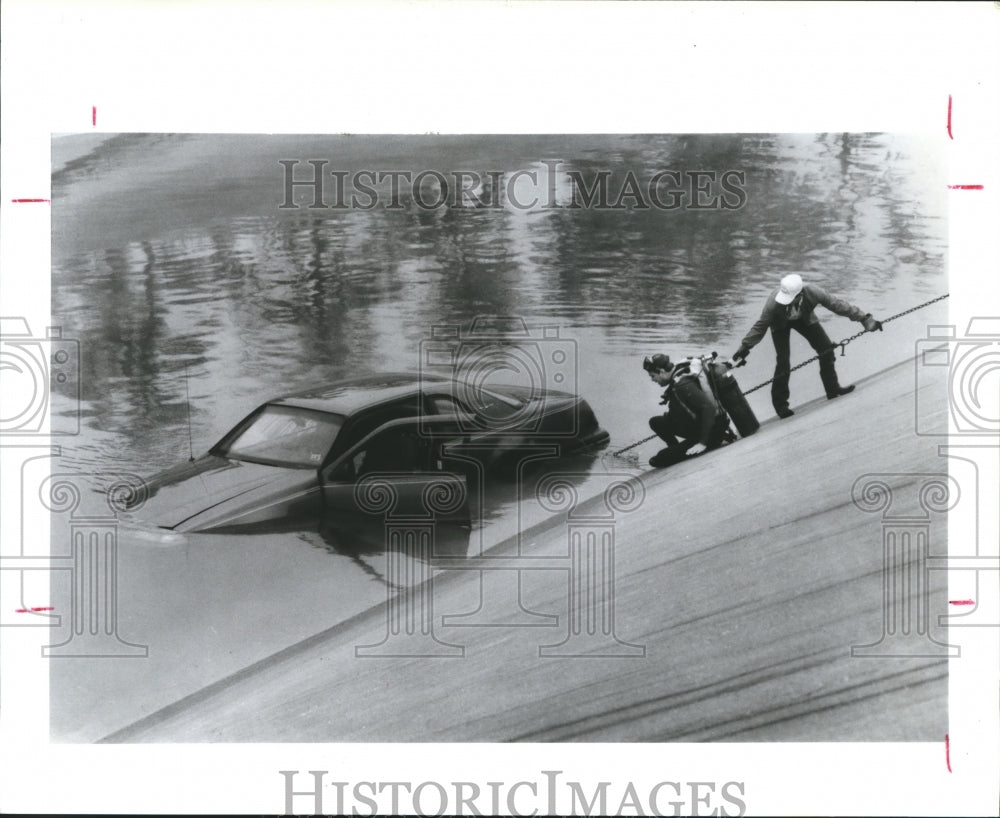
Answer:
(669, 428)
(819, 341)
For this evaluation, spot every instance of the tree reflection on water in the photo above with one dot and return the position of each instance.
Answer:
(172, 259)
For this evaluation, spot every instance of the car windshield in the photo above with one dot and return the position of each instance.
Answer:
(286, 436)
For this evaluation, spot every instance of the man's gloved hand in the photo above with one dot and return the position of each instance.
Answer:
(698, 448)
(871, 324)
(740, 355)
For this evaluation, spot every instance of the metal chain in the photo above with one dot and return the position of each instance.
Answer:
(842, 344)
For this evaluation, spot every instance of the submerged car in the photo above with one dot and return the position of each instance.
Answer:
(307, 456)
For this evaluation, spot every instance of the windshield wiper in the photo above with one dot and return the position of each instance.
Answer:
(265, 461)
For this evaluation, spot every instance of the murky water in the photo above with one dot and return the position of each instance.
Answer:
(195, 296)
(180, 275)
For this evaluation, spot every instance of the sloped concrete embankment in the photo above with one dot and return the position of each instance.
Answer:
(741, 584)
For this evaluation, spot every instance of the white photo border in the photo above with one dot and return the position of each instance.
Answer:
(567, 67)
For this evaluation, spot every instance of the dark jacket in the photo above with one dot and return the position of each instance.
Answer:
(776, 315)
(685, 398)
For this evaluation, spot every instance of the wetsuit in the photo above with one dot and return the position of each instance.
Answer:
(692, 415)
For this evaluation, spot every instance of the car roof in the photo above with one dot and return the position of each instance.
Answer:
(353, 394)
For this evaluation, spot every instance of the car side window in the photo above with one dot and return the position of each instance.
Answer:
(371, 419)
(393, 451)
(448, 406)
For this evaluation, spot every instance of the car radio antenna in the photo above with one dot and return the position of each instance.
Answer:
(187, 393)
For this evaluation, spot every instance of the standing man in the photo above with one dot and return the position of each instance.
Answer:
(692, 415)
(792, 307)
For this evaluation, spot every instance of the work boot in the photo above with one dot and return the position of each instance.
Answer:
(840, 390)
(784, 412)
(667, 457)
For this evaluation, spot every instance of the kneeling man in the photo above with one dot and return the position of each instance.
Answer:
(693, 422)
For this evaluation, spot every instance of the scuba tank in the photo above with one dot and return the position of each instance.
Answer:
(727, 391)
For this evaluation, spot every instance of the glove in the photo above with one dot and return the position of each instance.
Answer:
(698, 448)
(740, 355)
(870, 324)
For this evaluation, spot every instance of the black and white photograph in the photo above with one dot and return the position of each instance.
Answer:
(289, 341)
(352, 447)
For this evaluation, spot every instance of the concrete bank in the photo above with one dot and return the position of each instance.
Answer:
(741, 580)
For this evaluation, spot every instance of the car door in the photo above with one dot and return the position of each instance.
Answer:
(396, 476)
